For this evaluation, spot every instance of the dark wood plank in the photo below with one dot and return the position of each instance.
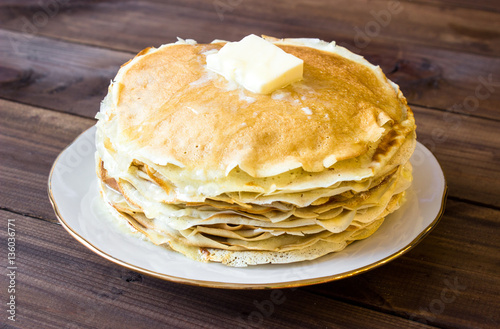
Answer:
(30, 140)
(58, 75)
(74, 288)
(74, 78)
(489, 5)
(461, 252)
(133, 23)
(468, 150)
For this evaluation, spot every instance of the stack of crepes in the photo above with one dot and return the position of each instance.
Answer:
(197, 163)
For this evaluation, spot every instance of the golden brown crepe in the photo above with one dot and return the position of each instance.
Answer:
(221, 174)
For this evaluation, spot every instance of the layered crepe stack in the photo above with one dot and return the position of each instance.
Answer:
(218, 173)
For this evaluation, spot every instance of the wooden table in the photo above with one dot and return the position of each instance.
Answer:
(56, 60)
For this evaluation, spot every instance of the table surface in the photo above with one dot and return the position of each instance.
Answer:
(56, 60)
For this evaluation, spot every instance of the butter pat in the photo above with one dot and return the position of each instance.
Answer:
(256, 64)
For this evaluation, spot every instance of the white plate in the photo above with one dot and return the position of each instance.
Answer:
(74, 195)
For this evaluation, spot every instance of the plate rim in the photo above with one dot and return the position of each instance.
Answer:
(246, 286)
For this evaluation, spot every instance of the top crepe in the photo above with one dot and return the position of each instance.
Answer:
(171, 110)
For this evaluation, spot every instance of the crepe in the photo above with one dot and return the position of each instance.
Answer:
(218, 173)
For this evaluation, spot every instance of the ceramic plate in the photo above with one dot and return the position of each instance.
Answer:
(75, 197)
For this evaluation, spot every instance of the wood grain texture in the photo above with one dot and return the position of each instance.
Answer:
(131, 24)
(468, 151)
(30, 140)
(488, 5)
(64, 285)
(74, 77)
(57, 75)
(461, 253)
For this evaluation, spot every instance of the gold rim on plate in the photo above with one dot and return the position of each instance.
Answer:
(229, 285)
